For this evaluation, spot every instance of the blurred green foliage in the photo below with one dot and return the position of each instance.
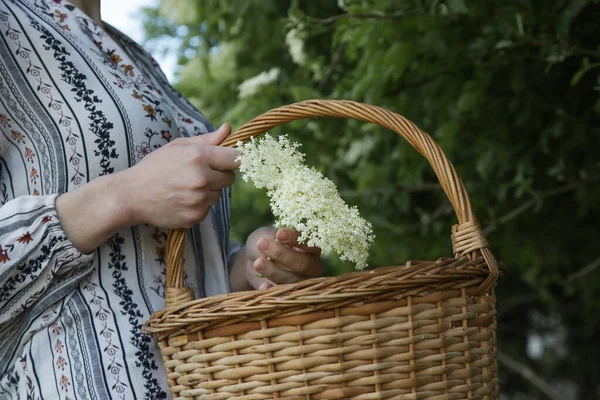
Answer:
(510, 90)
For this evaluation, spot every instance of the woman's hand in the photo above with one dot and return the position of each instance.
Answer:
(176, 185)
(275, 257)
(172, 187)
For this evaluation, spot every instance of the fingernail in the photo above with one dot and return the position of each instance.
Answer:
(262, 244)
(282, 236)
(259, 266)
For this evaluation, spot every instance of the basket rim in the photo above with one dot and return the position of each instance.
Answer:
(416, 277)
(468, 238)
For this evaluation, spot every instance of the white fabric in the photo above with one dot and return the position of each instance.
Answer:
(75, 104)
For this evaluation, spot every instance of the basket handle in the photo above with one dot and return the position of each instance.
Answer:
(467, 237)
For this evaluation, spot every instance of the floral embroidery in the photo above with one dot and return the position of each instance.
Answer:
(128, 69)
(59, 346)
(25, 238)
(168, 122)
(33, 175)
(4, 121)
(61, 16)
(102, 313)
(150, 112)
(18, 137)
(55, 328)
(121, 117)
(29, 154)
(60, 363)
(64, 383)
(136, 95)
(166, 135)
(143, 149)
(99, 125)
(160, 254)
(159, 282)
(130, 308)
(3, 255)
(114, 58)
(43, 87)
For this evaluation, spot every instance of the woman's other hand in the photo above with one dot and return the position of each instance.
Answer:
(275, 257)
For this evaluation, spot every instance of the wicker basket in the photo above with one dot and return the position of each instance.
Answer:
(422, 330)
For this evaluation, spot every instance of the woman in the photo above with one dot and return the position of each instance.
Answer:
(99, 158)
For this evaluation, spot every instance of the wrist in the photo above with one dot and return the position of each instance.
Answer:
(94, 212)
(123, 201)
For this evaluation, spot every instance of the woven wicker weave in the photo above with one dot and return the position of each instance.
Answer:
(423, 330)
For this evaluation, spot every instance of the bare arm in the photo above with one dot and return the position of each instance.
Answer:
(173, 187)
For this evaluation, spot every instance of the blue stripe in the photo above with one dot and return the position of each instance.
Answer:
(12, 335)
(88, 344)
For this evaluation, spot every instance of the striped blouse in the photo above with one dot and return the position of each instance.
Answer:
(77, 103)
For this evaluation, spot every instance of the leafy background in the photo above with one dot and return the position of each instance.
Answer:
(510, 90)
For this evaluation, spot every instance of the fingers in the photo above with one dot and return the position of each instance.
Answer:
(206, 148)
(265, 286)
(213, 196)
(298, 262)
(289, 237)
(218, 180)
(216, 137)
(223, 158)
(274, 273)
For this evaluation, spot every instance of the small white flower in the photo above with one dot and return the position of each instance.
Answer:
(295, 46)
(250, 86)
(302, 199)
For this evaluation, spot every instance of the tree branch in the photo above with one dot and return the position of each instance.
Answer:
(425, 187)
(331, 68)
(567, 48)
(491, 227)
(335, 18)
(529, 375)
(584, 271)
(514, 301)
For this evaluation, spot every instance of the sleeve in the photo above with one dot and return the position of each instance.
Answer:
(233, 248)
(36, 257)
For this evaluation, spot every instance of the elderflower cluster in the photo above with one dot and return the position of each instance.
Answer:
(250, 86)
(295, 46)
(302, 199)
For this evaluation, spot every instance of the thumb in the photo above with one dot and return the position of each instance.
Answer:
(216, 137)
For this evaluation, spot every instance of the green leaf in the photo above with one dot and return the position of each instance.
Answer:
(504, 43)
(566, 17)
(468, 101)
(457, 6)
(585, 67)
(520, 28)
(399, 57)
(300, 93)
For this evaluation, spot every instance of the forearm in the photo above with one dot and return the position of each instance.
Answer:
(94, 212)
(238, 280)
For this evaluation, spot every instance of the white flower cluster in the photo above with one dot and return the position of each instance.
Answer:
(302, 199)
(295, 46)
(250, 86)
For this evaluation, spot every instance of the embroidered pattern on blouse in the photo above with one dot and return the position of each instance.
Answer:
(99, 125)
(107, 336)
(54, 104)
(141, 341)
(82, 103)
